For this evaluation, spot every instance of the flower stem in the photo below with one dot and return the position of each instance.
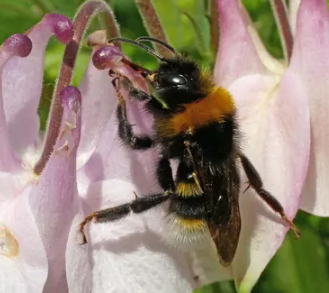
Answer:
(81, 20)
(281, 17)
(153, 24)
(214, 26)
(112, 25)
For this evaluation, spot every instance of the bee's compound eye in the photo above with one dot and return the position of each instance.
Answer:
(171, 79)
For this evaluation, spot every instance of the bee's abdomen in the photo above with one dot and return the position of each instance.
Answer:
(188, 219)
(188, 201)
(189, 208)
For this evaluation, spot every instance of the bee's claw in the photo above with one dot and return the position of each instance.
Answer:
(292, 227)
(249, 185)
(82, 226)
(136, 196)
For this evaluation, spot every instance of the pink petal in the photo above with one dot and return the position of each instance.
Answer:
(310, 61)
(129, 166)
(16, 45)
(13, 184)
(274, 120)
(54, 198)
(99, 101)
(77, 258)
(22, 81)
(100, 165)
(205, 265)
(23, 259)
(237, 55)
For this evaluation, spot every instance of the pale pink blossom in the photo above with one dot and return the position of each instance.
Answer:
(282, 112)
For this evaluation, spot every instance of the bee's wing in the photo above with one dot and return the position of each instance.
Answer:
(221, 188)
(226, 235)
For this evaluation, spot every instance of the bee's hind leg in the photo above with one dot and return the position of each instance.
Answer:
(139, 205)
(256, 183)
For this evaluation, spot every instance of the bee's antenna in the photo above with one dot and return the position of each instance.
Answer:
(139, 45)
(150, 39)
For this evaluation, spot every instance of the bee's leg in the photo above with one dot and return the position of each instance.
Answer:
(164, 174)
(256, 183)
(125, 131)
(139, 205)
(190, 158)
(121, 81)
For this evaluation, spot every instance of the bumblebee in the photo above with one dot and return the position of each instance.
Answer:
(195, 124)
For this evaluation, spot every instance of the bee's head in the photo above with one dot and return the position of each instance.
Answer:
(176, 82)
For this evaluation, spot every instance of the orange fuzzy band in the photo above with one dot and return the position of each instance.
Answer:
(212, 108)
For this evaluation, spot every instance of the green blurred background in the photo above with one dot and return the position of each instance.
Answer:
(299, 266)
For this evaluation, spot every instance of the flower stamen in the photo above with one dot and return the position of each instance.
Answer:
(70, 134)
(9, 246)
(214, 26)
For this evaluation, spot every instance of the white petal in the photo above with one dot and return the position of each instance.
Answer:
(26, 271)
(131, 255)
(274, 118)
(310, 60)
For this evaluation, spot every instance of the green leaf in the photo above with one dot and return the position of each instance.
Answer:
(219, 287)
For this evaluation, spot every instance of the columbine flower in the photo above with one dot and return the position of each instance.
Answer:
(49, 185)
(23, 251)
(282, 112)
